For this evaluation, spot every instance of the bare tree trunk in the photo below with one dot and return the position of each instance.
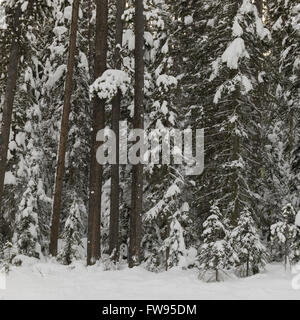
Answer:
(115, 174)
(138, 123)
(96, 170)
(12, 74)
(90, 49)
(64, 133)
(259, 6)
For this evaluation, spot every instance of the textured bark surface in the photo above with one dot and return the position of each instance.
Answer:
(259, 5)
(115, 174)
(12, 75)
(96, 170)
(138, 123)
(64, 133)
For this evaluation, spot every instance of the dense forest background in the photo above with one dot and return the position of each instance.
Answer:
(70, 68)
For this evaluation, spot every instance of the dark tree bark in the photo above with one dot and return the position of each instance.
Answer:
(96, 170)
(89, 5)
(259, 5)
(64, 133)
(115, 174)
(12, 75)
(138, 123)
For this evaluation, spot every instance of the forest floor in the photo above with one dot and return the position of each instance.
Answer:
(50, 280)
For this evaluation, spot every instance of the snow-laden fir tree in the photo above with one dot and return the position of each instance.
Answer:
(29, 40)
(215, 254)
(34, 198)
(72, 233)
(27, 225)
(191, 65)
(180, 238)
(285, 236)
(27, 147)
(165, 238)
(283, 18)
(245, 239)
(235, 86)
(176, 243)
(7, 253)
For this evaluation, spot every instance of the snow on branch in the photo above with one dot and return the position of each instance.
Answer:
(234, 52)
(165, 82)
(107, 86)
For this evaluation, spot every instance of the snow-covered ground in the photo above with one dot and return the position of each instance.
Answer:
(49, 280)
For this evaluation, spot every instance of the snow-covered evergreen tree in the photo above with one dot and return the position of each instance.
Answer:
(23, 143)
(234, 41)
(72, 234)
(215, 254)
(285, 236)
(245, 240)
(7, 252)
(283, 18)
(176, 244)
(27, 226)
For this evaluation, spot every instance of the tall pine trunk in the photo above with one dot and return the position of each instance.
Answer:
(115, 174)
(12, 75)
(64, 133)
(96, 170)
(138, 123)
(259, 5)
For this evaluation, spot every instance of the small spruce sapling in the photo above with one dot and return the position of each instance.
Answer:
(7, 253)
(285, 234)
(26, 236)
(176, 244)
(252, 254)
(215, 252)
(72, 234)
